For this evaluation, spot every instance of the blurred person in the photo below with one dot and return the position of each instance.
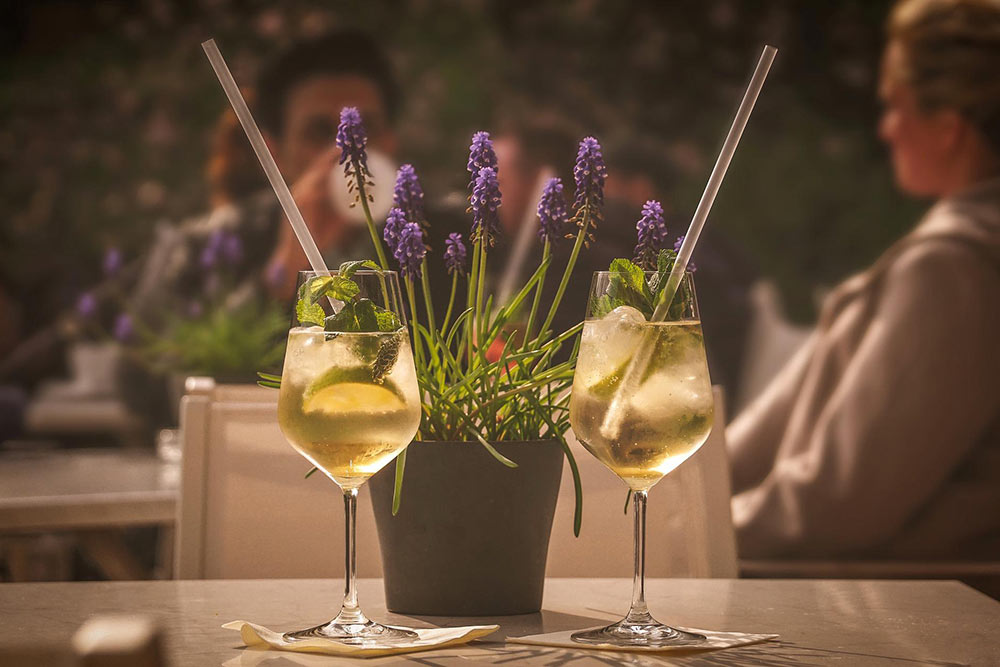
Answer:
(881, 437)
(299, 95)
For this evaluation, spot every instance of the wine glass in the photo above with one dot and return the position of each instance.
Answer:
(349, 403)
(642, 404)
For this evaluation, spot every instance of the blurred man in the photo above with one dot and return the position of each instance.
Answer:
(299, 94)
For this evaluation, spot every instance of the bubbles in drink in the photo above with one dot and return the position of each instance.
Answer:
(666, 417)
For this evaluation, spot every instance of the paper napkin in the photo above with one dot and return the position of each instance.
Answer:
(427, 638)
(714, 640)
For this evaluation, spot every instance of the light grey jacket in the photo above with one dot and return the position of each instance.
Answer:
(882, 435)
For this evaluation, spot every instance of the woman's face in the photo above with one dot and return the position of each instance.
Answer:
(922, 143)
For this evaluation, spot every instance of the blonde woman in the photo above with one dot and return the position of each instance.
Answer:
(882, 436)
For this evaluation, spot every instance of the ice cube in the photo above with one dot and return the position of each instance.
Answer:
(608, 344)
(625, 316)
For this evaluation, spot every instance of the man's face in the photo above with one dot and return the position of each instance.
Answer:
(312, 113)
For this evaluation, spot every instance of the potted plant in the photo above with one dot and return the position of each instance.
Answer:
(464, 516)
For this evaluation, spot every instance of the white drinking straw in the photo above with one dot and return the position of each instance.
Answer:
(715, 181)
(613, 418)
(266, 159)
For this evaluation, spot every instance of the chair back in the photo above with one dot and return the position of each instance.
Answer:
(246, 510)
(771, 342)
(689, 528)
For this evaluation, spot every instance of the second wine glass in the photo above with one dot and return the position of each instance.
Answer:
(641, 404)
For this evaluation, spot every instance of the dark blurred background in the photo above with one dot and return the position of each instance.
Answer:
(107, 111)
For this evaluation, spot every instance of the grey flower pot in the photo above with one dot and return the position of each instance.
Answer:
(471, 536)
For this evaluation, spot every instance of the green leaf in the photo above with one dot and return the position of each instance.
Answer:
(342, 320)
(632, 275)
(348, 269)
(628, 286)
(309, 313)
(364, 312)
(387, 320)
(342, 288)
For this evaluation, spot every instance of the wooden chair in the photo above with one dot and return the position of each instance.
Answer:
(689, 529)
(245, 509)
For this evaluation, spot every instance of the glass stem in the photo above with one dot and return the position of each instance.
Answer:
(350, 612)
(639, 613)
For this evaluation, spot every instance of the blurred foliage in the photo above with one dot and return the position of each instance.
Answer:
(107, 109)
(223, 344)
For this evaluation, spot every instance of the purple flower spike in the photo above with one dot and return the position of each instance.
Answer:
(352, 139)
(481, 156)
(552, 211)
(411, 250)
(394, 223)
(652, 235)
(485, 202)
(232, 247)
(112, 262)
(589, 174)
(124, 330)
(454, 254)
(86, 305)
(677, 248)
(213, 248)
(408, 195)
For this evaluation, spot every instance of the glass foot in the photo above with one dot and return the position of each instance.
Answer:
(366, 633)
(639, 632)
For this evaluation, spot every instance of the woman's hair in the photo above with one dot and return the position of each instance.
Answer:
(951, 58)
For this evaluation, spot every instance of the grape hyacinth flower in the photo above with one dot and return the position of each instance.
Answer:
(112, 262)
(486, 199)
(232, 248)
(86, 305)
(408, 195)
(677, 248)
(589, 174)
(552, 211)
(652, 235)
(123, 329)
(210, 252)
(394, 223)
(454, 254)
(411, 250)
(352, 139)
(481, 156)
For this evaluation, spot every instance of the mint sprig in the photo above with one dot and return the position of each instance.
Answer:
(628, 286)
(356, 314)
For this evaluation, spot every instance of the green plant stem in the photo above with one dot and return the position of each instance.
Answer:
(363, 197)
(480, 288)
(581, 237)
(418, 350)
(470, 299)
(546, 251)
(425, 286)
(451, 303)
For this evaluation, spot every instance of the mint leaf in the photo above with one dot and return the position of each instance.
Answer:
(387, 320)
(364, 312)
(632, 275)
(337, 287)
(309, 313)
(628, 286)
(344, 320)
(348, 269)
(341, 288)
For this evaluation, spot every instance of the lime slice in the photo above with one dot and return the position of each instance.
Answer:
(347, 397)
(350, 389)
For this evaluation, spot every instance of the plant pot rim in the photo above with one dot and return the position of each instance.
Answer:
(492, 442)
